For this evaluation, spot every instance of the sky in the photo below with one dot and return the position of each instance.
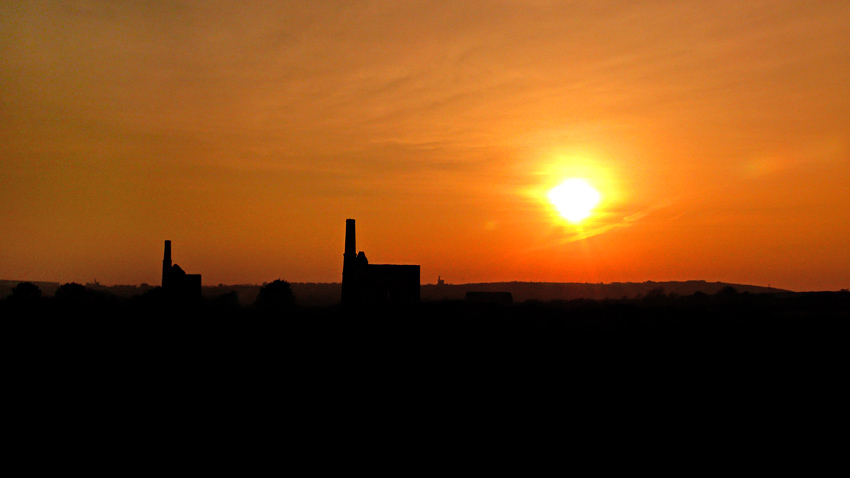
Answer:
(716, 132)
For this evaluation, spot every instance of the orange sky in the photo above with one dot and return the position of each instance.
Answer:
(717, 132)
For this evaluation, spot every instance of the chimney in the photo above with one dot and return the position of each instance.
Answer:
(350, 240)
(349, 259)
(166, 264)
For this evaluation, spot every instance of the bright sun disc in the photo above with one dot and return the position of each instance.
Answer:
(574, 199)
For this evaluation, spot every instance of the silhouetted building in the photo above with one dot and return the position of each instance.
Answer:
(502, 298)
(175, 281)
(364, 283)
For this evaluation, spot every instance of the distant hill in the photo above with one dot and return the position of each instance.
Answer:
(546, 291)
(320, 294)
(310, 294)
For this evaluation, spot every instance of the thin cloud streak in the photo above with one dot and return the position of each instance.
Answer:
(627, 221)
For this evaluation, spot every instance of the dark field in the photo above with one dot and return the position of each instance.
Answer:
(769, 363)
(778, 333)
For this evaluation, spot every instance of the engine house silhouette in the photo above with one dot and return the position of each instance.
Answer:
(369, 284)
(175, 281)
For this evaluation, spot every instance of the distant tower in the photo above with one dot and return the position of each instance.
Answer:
(166, 264)
(349, 259)
(175, 281)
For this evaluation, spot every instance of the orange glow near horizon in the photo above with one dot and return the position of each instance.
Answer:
(715, 135)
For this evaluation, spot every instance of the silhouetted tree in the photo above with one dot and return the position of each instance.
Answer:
(656, 294)
(275, 296)
(71, 292)
(727, 291)
(25, 291)
(76, 295)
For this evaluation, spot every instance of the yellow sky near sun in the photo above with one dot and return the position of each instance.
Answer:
(718, 134)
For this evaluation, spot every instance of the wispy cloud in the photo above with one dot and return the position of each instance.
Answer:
(626, 221)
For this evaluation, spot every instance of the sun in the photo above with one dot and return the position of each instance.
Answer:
(574, 199)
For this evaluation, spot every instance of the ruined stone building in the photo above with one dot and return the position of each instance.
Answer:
(175, 281)
(369, 284)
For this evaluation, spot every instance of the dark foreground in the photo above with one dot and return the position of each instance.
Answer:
(764, 363)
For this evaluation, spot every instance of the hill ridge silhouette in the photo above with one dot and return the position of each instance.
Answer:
(328, 293)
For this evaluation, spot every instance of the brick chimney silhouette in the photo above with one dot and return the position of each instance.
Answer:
(348, 262)
(166, 265)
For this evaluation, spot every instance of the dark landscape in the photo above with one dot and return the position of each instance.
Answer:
(781, 330)
(682, 365)
(402, 226)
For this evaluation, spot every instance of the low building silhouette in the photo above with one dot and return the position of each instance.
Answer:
(176, 282)
(369, 284)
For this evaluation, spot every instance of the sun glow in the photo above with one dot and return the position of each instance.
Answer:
(574, 199)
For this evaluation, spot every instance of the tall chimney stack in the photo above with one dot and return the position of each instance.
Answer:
(166, 264)
(350, 240)
(349, 258)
